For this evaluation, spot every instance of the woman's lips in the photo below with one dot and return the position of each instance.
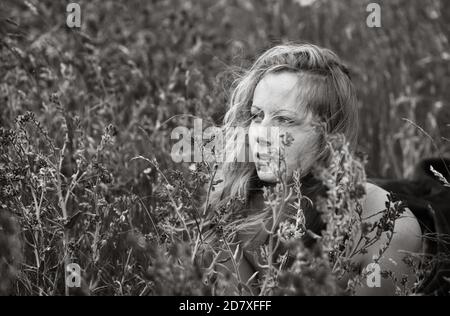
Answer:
(262, 157)
(267, 156)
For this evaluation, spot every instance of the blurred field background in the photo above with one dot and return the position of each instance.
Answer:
(135, 64)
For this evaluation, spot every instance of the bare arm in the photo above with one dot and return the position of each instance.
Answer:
(406, 238)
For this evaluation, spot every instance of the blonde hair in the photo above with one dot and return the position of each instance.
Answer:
(330, 96)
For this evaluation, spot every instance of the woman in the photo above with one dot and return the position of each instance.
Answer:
(291, 88)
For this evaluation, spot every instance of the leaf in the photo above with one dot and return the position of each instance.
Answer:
(252, 277)
(72, 221)
(440, 176)
(236, 253)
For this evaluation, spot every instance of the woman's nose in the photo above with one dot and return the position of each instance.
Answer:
(262, 141)
(267, 136)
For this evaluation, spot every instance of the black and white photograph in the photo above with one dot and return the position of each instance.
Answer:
(228, 154)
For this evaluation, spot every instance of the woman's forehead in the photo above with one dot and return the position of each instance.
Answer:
(280, 91)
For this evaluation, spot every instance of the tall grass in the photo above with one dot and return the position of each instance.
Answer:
(78, 106)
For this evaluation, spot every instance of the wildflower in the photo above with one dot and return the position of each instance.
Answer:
(288, 231)
(169, 188)
(193, 167)
(6, 137)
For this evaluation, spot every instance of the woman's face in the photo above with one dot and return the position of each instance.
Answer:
(278, 110)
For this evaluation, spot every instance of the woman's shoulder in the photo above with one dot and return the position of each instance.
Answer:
(375, 199)
(407, 231)
(375, 203)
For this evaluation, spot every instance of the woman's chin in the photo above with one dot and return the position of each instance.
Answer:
(267, 176)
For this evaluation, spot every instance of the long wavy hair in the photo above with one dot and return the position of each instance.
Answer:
(330, 97)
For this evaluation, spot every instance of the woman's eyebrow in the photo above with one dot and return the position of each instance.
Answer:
(255, 109)
(278, 112)
(285, 112)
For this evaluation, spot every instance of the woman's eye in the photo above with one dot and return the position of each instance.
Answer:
(284, 120)
(257, 116)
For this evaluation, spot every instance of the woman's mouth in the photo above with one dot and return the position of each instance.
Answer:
(263, 157)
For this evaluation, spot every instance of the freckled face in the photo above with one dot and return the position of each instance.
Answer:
(278, 109)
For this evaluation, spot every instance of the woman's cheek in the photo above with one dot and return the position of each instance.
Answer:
(293, 155)
(252, 139)
(299, 153)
